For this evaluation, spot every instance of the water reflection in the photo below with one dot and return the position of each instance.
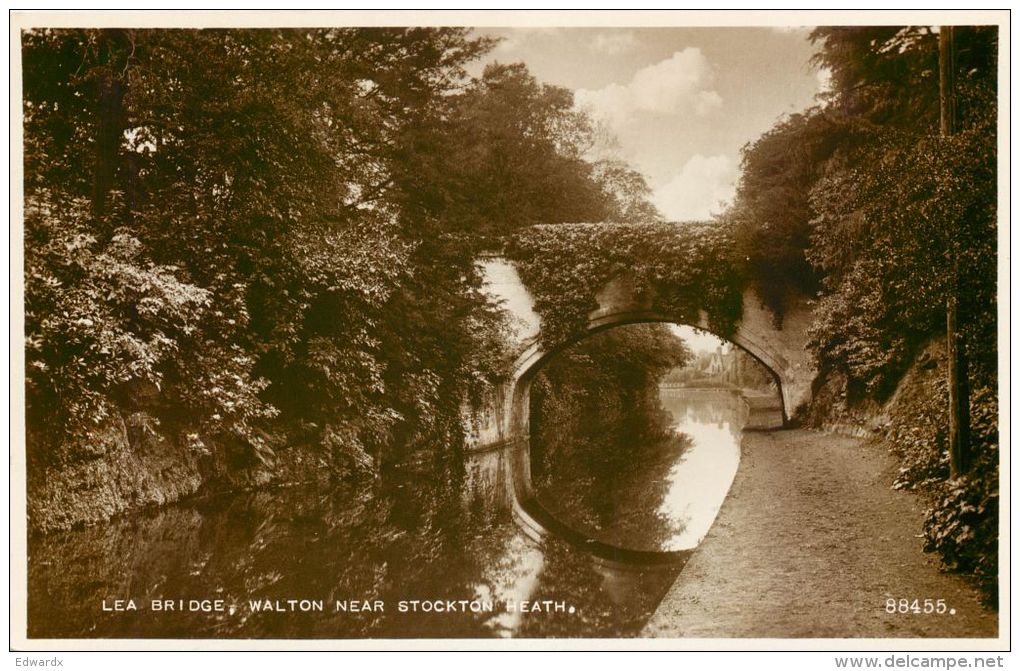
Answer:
(655, 489)
(700, 479)
(323, 561)
(317, 562)
(514, 579)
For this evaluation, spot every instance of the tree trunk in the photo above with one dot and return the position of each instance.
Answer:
(959, 406)
(113, 47)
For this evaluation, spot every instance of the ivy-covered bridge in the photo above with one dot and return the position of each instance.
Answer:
(563, 283)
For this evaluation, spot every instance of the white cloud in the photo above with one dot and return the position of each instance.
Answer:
(702, 188)
(681, 83)
(614, 43)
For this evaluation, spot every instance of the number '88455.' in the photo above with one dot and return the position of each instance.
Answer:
(916, 606)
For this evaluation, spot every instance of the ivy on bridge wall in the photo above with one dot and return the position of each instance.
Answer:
(684, 267)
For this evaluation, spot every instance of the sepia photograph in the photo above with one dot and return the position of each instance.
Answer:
(509, 330)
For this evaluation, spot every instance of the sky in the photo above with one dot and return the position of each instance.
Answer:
(680, 102)
(698, 340)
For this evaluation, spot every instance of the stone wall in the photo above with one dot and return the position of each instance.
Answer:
(132, 462)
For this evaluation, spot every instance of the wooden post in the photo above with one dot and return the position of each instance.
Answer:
(947, 81)
(959, 412)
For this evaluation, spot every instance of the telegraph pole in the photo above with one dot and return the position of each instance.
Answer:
(959, 412)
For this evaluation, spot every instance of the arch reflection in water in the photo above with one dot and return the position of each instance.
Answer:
(647, 469)
(328, 543)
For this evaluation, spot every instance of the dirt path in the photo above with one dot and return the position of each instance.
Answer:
(811, 542)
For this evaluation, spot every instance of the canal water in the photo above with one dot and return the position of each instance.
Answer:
(321, 561)
(660, 495)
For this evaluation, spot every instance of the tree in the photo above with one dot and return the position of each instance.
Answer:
(264, 184)
(771, 214)
(319, 196)
(511, 157)
(629, 192)
(870, 221)
(887, 204)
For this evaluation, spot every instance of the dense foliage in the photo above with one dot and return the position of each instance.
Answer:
(861, 199)
(263, 237)
(963, 522)
(771, 214)
(683, 267)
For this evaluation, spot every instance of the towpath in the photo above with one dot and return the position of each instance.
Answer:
(812, 542)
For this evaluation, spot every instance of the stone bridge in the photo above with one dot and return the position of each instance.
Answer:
(499, 430)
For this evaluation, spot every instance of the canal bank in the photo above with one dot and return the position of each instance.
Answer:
(812, 542)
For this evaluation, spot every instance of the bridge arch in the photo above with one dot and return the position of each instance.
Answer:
(781, 349)
(531, 515)
(499, 428)
(530, 362)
